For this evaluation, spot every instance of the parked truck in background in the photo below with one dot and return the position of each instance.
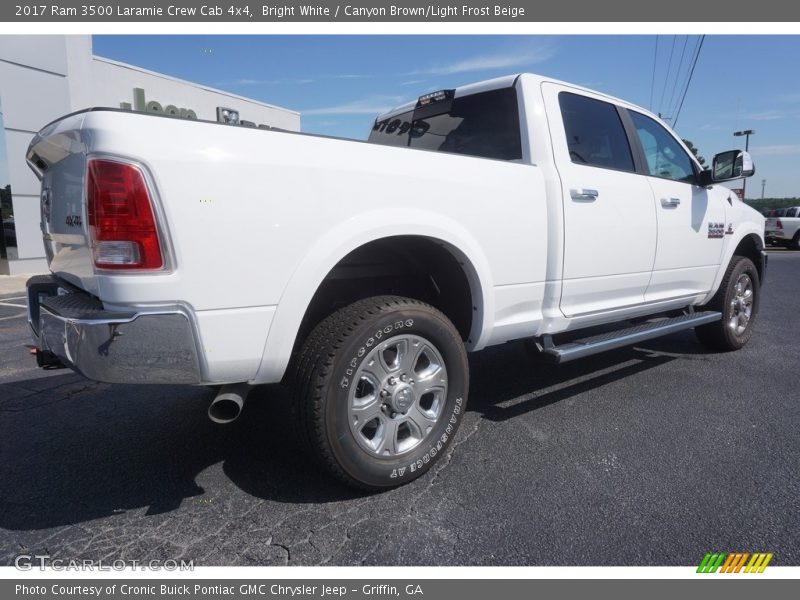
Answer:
(783, 227)
(361, 274)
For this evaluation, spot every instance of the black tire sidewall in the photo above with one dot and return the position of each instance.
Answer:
(375, 471)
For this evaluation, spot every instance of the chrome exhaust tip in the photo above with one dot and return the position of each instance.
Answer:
(227, 405)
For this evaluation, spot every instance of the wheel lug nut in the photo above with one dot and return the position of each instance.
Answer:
(384, 393)
(392, 381)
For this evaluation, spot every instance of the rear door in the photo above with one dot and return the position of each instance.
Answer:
(609, 216)
(691, 218)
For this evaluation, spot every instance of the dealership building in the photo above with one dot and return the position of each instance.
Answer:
(45, 77)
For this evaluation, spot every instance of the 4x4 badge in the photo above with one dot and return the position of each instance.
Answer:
(46, 197)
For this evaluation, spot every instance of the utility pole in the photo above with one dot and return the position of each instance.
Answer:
(763, 185)
(746, 133)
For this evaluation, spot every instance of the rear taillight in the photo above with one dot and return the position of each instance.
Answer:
(122, 225)
(778, 224)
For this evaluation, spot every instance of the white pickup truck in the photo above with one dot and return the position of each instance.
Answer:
(783, 227)
(361, 274)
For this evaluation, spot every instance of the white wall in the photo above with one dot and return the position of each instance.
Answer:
(43, 77)
(113, 83)
(34, 91)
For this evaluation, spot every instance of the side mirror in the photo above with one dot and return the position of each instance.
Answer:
(733, 164)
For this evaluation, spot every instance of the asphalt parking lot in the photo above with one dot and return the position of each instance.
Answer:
(651, 455)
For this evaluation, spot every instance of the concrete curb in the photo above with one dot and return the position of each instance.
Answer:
(13, 284)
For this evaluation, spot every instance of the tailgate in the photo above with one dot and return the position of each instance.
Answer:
(57, 155)
(771, 224)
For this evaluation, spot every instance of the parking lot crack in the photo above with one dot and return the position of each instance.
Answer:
(449, 457)
(285, 549)
(30, 403)
(410, 514)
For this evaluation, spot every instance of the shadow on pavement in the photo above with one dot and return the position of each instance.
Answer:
(78, 450)
(507, 381)
(79, 455)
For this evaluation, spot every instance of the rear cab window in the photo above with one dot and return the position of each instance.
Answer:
(485, 124)
(595, 133)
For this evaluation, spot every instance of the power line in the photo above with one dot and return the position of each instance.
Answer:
(683, 84)
(666, 77)
(670, 104)
(653, 80)
(689, 81)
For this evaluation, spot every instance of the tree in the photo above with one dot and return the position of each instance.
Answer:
(696, 152)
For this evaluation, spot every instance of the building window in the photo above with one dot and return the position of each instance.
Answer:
(8, 235)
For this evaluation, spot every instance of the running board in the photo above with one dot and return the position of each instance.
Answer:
(624, 337)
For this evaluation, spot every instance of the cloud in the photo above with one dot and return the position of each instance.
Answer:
(348, 76)
(490, 62)
(766, 115)
(770, 115)
(257, 82)
(269, 82)
(776, 150)
(710, 127)
(298, 81)
(368, 106)
(413, 82)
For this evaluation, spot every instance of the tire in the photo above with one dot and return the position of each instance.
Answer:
(403, 348)
(737, 298)
(795, 243)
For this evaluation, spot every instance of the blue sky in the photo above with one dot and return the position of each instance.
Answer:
(339, 83)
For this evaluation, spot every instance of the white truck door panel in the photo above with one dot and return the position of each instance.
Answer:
(691, 218)
(609, 216)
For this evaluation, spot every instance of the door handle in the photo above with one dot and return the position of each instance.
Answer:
(584, 194)
(670, 202)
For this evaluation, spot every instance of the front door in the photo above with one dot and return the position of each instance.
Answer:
(691, 218)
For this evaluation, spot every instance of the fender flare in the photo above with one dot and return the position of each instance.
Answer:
(742, 232)
(351, 234)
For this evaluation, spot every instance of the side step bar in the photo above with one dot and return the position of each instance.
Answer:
(624, 337)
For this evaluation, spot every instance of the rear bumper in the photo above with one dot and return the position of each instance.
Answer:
(141, 346)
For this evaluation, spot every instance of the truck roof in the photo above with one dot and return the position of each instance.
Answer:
(508, 81)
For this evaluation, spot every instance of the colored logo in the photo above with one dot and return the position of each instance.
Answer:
(734, 562)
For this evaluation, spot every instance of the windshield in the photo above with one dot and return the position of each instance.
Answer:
(484, 124)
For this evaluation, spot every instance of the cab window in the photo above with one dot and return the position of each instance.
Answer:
(595, 134)
(665, 157)
(485, 124)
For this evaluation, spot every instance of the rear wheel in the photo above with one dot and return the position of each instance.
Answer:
(795, 244)
(380, 390)
(737, 299)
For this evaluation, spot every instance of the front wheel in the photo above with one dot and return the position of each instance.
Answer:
(737, 299)
(380, 390)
